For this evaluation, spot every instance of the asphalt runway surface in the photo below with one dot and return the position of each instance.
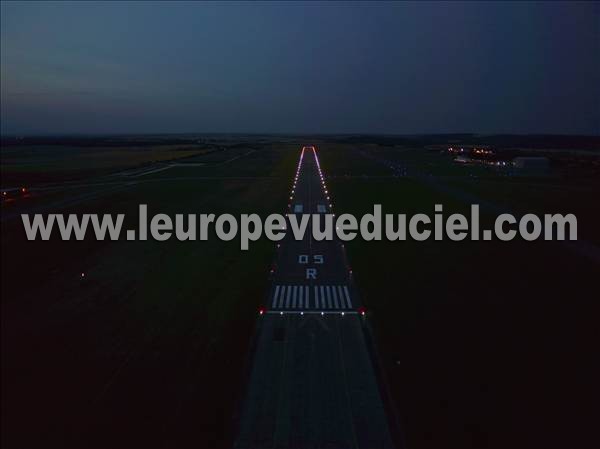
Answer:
(312, 383)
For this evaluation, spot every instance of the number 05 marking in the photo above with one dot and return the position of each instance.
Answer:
(317, 259)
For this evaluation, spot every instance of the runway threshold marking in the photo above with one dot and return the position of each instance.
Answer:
(326, 297)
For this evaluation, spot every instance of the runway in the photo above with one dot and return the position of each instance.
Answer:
(312, 383)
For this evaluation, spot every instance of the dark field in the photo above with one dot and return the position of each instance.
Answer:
(484, 344)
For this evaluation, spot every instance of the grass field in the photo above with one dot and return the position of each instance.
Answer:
(57, 163)
(149, 350)
(479, 339)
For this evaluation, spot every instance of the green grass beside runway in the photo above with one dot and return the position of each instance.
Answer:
(543, 196)
(343, 160)
(157, 329)
(29, 165)
(478, 338)
(262, 163)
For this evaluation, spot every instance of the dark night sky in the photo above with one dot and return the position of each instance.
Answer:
(300, 67)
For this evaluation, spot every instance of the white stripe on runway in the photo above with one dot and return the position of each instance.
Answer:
(341, 295)
(287, 298)
(335, 297)
(329, 297)
(298, 297)
(274, 304)
(281, 297)
(347, 297)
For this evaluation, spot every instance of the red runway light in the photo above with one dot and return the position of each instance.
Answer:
(362, 311)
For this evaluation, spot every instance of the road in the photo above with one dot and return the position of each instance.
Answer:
(312, 383)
